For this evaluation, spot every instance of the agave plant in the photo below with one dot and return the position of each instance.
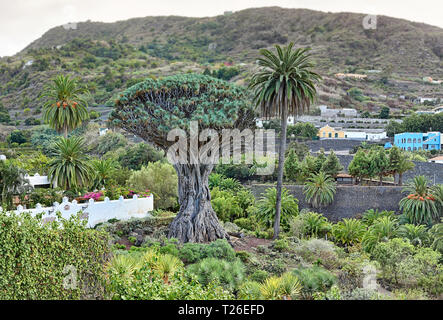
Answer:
(65, 108)
(383, 229)
(420, 206)
(416, 234)
(349, 231)
(319, 190)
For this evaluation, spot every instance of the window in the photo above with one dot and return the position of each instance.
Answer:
(414, 141)
(409, 148)
(330, 135)
(419, 140)
(409, 140)
(336, 135)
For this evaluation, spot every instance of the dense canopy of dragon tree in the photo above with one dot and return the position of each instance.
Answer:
(152, 108)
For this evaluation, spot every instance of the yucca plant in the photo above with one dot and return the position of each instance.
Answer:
(418, 235)
(284, 86)
(349, 231)
(166, 265)
(71, 167)
(271, 288)
(383, 229)
(290, 286)
(267, 204)
(123, 266)
(420, 206)
(65, 108)
(319, 190)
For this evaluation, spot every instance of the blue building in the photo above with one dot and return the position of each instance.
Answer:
(412, 141)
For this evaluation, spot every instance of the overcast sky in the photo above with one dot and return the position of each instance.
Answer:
(22, 21)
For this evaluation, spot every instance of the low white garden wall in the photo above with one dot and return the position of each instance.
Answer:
(96, 211)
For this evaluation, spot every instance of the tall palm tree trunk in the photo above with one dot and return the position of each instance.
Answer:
(281, 162)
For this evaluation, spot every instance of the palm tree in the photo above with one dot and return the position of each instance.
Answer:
(103, 169)
(70, 167)
(65, 109)
(420, 206)
(284, 86)
(12, 181)
(319, 190)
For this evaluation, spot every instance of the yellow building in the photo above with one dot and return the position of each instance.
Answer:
(328, 132)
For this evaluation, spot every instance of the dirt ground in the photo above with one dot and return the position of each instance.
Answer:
(248, 243)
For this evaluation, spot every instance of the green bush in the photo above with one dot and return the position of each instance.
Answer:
(161, 179)
(315, 279)
(220, 249)
(37, 258)
(229, 274)
(149, 275)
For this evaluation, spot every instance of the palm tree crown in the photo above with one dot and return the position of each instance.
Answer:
(65, 108)
(70, 168)
(285, 83)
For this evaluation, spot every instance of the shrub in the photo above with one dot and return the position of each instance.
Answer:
(348, 231)
(161, 179)
(318, 251)
(225, 204)
(38, 258)
(371, 215)
(220, 249)
(281, 245)
(384, 228)
(310, 224)
(259, 275)
(314, 279)
(417, 235)
(150, 275)
(229, 274)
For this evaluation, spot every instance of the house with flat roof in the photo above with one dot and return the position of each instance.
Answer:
(413, 141)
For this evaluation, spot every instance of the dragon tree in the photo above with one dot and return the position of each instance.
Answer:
(152, 108)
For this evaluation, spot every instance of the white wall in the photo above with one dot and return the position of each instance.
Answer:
(96, 211)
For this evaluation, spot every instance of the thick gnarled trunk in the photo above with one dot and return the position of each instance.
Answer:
(196, 221)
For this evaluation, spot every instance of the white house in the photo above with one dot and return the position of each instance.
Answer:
(38, 181)
(367, 134)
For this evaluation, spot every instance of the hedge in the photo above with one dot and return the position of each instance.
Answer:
(58, 260)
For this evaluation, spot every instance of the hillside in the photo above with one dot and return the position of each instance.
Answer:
(111, 56)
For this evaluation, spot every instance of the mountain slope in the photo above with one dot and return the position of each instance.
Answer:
(109, 57)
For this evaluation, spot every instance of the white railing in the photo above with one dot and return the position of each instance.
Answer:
(95, 211)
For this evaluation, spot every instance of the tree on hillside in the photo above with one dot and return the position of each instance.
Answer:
(284, 86)
(399, 163)
(320, 190)
(152, 108)
(404, 165)
(332, 165)
(292, 166)
(379, 162)
(360, 166)
(65, 109)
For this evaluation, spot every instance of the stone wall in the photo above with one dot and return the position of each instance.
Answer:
(350, 201)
